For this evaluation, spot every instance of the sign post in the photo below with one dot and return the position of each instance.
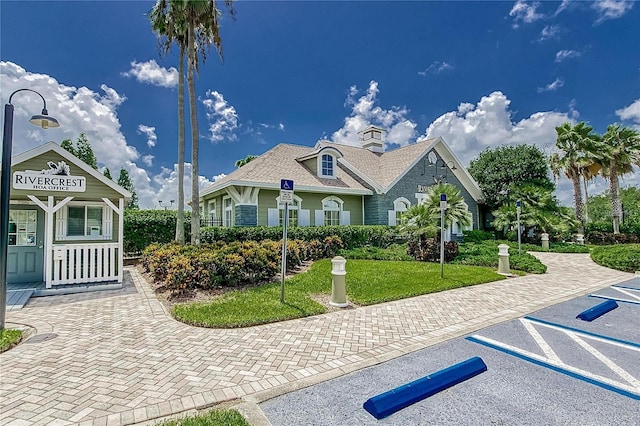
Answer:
(443, 208)
(286, 197)
(518, 208)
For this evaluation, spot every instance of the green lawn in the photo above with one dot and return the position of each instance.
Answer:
(212, 418)
(368, 282)
(9, 338)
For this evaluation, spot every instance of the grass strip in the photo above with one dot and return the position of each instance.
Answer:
(211, 418)
(9, 338)
(368, 282)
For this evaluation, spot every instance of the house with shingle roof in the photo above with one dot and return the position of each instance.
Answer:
(338, 184)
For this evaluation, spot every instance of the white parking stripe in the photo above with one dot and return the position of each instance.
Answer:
(540, 340)
(606, 361)
(626, 292)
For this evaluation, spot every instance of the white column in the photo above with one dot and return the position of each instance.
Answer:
(48, 241)
(120, 238)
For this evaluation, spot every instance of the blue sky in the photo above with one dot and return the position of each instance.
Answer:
(479, 74)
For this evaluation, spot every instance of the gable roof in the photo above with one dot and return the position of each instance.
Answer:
(52, 146)
(361, 171)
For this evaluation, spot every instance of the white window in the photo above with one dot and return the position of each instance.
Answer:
(84, 221)
(22, 227)
(228, 212)
(213, 214)
(332, 212)
(327, 165)
(396, 216)
(292, 211)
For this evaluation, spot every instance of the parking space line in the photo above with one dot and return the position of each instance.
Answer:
(603, 382)
(627, 287)
(617, 299)
(594, 336)
(540, 341)
(606, 361)
(627, 292)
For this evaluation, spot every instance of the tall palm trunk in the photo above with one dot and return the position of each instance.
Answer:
(616, 208)
(180, 219)
(577, 197)
(586, 200)
(195, 191)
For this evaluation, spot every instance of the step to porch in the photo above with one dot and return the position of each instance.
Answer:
(16, 299)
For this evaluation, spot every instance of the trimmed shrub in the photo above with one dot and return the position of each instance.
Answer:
(607, 238)
(485, 253)
(623, 258)
(475, 236)
(428, 250)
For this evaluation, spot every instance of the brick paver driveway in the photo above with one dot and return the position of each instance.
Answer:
(116, 357)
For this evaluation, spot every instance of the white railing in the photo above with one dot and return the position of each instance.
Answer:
(84, 263)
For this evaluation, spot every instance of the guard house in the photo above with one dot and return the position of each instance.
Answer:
(65, 221)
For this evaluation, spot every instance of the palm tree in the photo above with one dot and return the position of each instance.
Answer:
(424, 218)
(245, 160)
(621, 151)
(194, 26)
(169, 26)
(203, 30)
(572, 143)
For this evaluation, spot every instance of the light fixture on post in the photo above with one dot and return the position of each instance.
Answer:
(45, 121)
(443, 166)
(165, 206)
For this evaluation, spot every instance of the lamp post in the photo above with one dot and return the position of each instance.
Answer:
(518, 209)
(443, 209)
(45, 122)
(165, 206)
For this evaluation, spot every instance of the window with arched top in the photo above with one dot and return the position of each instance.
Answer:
(396, 216)
(327, 166)
(332, 212)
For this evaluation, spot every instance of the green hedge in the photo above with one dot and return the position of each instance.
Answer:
(145, 227)
(485, 253)
(621, 257)
(352, 236)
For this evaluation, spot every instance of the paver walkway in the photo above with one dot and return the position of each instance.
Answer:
(116, 357)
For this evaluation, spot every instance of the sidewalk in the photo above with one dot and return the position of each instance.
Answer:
(117, 357)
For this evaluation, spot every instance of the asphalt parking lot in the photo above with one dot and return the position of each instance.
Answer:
(543, 369)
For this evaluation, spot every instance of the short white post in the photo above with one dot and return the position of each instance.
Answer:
(580, 238)
(338, 287)
(545, 241)
(503, 260)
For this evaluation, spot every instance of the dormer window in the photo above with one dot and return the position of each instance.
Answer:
(327, 166)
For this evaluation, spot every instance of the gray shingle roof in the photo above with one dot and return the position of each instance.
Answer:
(281, 162)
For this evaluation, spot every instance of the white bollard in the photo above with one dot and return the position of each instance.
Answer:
(338, 287)
(580, 239)
(503, 260)
(545, 240)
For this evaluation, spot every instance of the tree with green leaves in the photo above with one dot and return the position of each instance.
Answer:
(245, 160)
(423, 219)
(124, 180)
(81, 149)
(600, 205)
(573, 143)
(194, 24)
(169, 26)
(107, 173)
(499, 171)
(620, 152)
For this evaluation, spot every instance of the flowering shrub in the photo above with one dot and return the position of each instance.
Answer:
(184, 268)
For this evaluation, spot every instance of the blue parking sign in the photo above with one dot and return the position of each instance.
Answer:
(286, 185)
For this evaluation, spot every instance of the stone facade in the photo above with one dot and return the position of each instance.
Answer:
(246, 215)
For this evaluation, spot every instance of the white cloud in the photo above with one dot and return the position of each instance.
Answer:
(150, 133)
(524, 12)
(167, 182)
(563, 55)
(611, 9)
(216, 177)
(148, 160)
(151, 73)
(488, 124)
(472, 128)
(223, 118)
(436, 68)
(549, 32)
(631, 113)
(553, 86)
(365, 112)
(281, 126)
(81, 110)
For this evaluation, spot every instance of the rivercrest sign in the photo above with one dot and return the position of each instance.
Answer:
(40, 182)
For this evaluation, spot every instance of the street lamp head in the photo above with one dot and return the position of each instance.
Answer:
(44, 120)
